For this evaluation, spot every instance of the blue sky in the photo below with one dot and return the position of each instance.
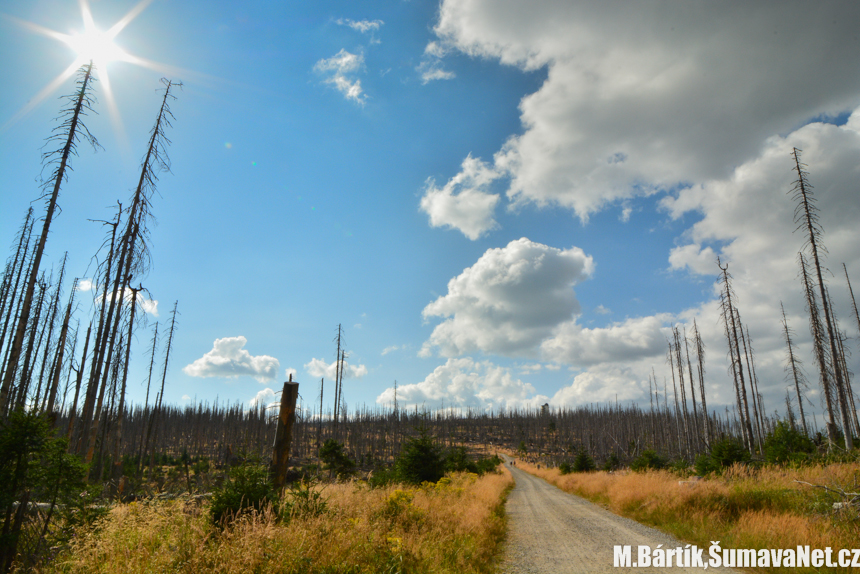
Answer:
(504, 203)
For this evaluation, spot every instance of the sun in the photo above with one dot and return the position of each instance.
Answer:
(95, 46)
(90, 45)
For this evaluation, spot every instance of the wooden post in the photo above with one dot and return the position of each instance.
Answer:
(284, 434)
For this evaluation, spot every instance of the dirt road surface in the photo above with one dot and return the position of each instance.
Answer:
(553, 532)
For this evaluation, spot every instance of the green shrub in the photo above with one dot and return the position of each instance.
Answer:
(200, 467)
(728, 451)
(247, 488)
(487, 464)
(36, 467)
(704, 465)
(786, 444)
(335, 459)
(457, 460)
(649, 459)
(382, 476)
(564, 468)
(583, 462)
(612, 462)
(420, 460)
(724, 453)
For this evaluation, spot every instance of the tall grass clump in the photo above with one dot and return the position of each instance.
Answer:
(454, 526)
(246, 489)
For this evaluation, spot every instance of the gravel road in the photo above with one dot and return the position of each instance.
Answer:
(553, 532)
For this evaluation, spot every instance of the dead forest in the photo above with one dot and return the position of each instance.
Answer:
(75, 369)
(72, 370)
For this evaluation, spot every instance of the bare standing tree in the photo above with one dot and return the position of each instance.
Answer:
(92, 387)
(120, 411)
(61, 349)
(757, 429)
(134, 249)
(806, 218)
(816, 329)
(692, 390)
(79, 376)
(337, 361)
(793, 366)
(731, 325)
(700, 359)
(10, 287)
(153, 422)
(69, 131)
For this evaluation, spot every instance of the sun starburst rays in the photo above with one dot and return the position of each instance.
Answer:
(90, 45)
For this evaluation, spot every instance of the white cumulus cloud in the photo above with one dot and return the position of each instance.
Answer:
(431, 67)
(509, 301)
(624, 341)
(465, 383)
(319, 368)
(464, 202)
(432, 70)
(603, 384)
(362, 26)
(265, 397)
(145, 303)
(340, 70)
(229, 359)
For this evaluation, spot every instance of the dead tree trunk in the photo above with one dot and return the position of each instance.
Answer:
(733, 339)
(73, 127)
(819, 351)
(700, 359)
(120, 411)
(61, 349)
(806, 216)
(78, 380)
(794, 367)
(146, 400)
(284, 434)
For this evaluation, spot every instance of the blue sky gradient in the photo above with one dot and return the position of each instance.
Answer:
(307, 136)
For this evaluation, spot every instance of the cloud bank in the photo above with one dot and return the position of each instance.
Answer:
(465, 383)
(644, 97)
(701, 106)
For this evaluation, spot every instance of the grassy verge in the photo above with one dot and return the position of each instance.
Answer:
(743, 508)
(456, 525)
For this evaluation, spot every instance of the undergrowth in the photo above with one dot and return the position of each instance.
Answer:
(454, 525)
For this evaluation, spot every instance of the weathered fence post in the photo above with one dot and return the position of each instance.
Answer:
(284, 434)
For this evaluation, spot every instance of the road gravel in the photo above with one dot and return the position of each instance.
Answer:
(553, 532)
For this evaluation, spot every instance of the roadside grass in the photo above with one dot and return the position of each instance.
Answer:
(742, 508)
(456, 525)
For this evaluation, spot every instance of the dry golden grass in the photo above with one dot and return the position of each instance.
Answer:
(744, 508)
(454, 526)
